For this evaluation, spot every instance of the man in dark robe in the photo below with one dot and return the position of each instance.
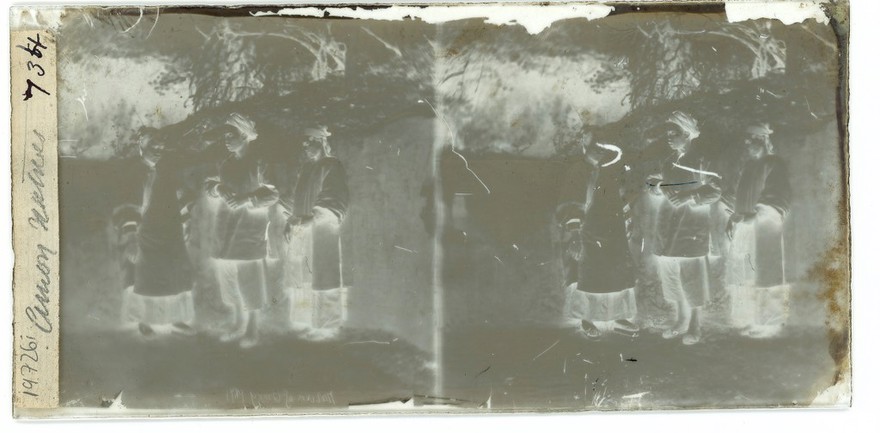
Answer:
(755, 271)
(316, 207)
(599, 272)
(161, 293)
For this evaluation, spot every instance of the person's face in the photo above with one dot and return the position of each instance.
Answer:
(756, 145)
(314, 147)
(151, 149)
(234, 140)
(676, 138)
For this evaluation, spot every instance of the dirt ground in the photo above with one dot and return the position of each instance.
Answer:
(554, 369)
(200, 372)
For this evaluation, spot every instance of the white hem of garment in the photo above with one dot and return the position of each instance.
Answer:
(319, 309)
(157, 310)
(598, 307)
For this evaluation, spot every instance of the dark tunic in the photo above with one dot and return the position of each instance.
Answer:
(765, 182)
(684, 231)
(606, 265)
(241, 233)
(321, 184)
(163, 267)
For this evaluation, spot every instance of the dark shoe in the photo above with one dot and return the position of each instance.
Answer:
(625, 326)
(146, 330)
(590, 330)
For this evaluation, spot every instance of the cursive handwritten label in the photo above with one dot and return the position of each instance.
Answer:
(36, 277)
(36, 174)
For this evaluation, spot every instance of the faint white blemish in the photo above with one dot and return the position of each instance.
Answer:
(368, 342)
(452, 146)
(464, 233)
(499, 260)
(116, 403)
(714, 49)
(464, 193)
(393, 49)
(626, 167)
(515, 247)
(546, 350)
(586, 360)
(810, 109)
(368, 167)
(787, 12)
(643, 244)
(564, 365)
(405, 249)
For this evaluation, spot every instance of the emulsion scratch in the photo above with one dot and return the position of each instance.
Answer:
(696, 170)
(140, 17)
(467, 165)
(154, 23)
(369, 342)
(405, 249)
(546, 350)
(612, 148)
(392, 48)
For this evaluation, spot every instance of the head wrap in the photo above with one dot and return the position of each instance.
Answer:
(244, 125)
(318, 132)
(760, 129)
(687, 124)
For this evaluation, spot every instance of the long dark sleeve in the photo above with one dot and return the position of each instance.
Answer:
(334, 195)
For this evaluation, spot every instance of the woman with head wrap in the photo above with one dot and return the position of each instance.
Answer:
(315, 208)
(682, 194)
(242, 196)
(755, 275)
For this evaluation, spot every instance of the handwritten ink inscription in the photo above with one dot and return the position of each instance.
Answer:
(36, 225)
(34, 47)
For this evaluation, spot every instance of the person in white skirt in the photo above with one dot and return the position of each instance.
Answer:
(755, 268)
(599, 272)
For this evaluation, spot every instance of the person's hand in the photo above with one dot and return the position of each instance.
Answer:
(224, 192)
(654, 183)
(235, 201)
(679, 198)
(295, 223)
(731, 226)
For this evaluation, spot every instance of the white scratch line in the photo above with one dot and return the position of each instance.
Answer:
(499, 260)
(467, 165)
(613, 148)
(387, 45)
(404, 249)
(154, 23)
(636, 395)
(587, 360)
(696, 170)
(368, 342)
(546, 350)
(368, 167)
(140, 16)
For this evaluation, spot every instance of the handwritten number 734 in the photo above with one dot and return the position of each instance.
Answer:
(34, 50)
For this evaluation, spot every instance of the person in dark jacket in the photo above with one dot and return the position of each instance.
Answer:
(684, 190)
(243, 197)
(162, 289)
(592, 215)
(755, 271)
(315, 208)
